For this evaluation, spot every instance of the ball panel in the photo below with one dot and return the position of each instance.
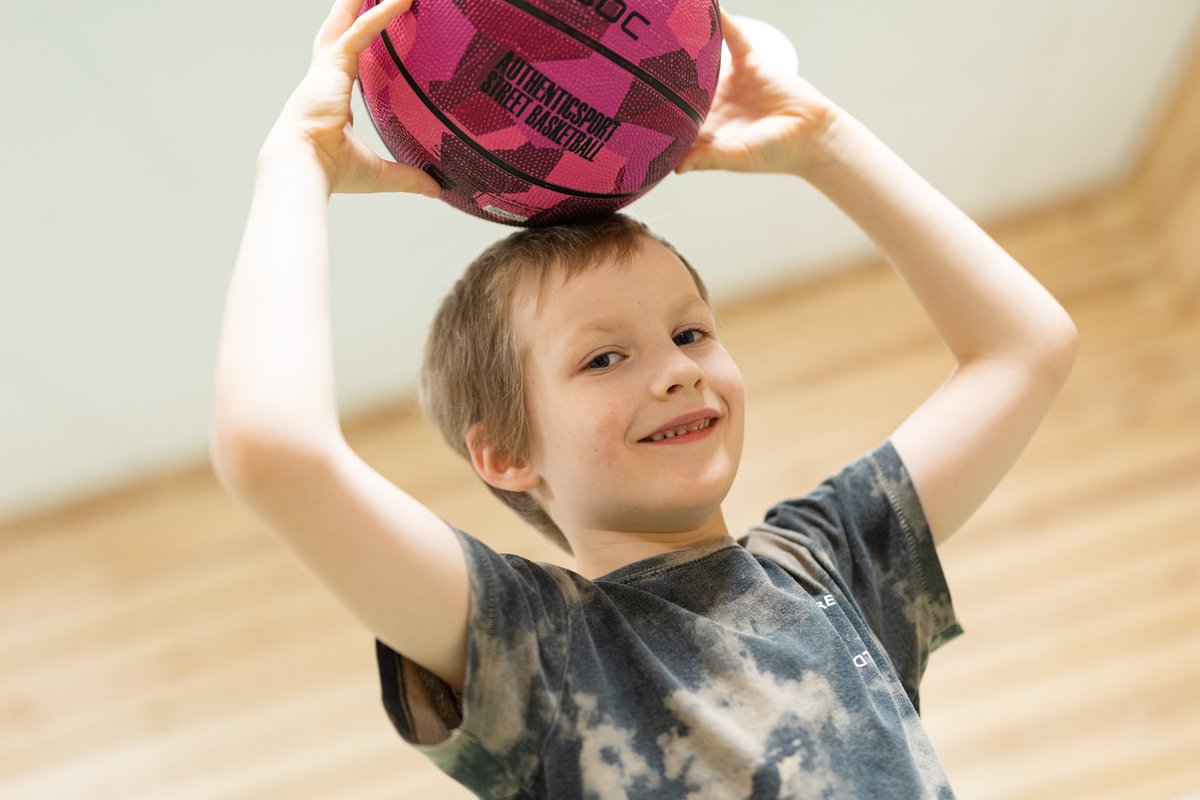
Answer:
(440, 48)
(669, 25)
(417, 139)
(511, 25)
(643, 145)
(695, 28)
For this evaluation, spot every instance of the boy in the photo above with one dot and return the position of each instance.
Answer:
(577, 368)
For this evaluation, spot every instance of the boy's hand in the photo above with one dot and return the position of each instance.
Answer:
(762, 119)
(317, 116)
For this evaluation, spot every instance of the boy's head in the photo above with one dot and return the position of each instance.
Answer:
(556, 357)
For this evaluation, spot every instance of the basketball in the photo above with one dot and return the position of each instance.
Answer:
(531, 112)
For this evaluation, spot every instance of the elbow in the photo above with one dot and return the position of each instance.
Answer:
(232, 462)
(248, 470)
(1051, 360)
(1062, 347)
(232, 454)
(244, 455)
(1047, 352)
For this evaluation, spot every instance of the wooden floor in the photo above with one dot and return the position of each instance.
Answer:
(157, 644)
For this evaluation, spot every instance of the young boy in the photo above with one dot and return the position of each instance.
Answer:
(578, 369)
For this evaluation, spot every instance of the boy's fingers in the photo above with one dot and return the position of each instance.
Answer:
(371, 23)
(735, 40)
(406, 178)
(349, 7)
(340, 17)
(695, 153)
(344, 22)
(698, 158)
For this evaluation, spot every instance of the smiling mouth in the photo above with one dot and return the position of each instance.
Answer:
(685, 433)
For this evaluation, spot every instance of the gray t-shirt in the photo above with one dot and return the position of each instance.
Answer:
(784, 664)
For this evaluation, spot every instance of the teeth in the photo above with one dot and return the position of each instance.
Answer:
(704, 423)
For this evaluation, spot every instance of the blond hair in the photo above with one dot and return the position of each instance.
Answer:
(473, 371)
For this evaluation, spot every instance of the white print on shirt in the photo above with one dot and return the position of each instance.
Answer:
(860, 659)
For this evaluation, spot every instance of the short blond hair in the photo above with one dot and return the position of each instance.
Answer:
(473, 371)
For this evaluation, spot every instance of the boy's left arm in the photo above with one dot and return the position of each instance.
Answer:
(1013, 342)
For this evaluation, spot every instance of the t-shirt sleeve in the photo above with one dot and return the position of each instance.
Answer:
(866, 527)
(490, 736)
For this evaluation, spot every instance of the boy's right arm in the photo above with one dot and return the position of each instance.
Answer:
(276, 442)
(390, 560)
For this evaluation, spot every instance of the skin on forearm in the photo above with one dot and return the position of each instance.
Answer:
(274, 381)
(981, 301)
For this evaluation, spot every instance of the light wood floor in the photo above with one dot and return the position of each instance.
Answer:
(157, 644)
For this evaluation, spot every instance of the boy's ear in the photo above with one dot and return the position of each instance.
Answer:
(497, 469)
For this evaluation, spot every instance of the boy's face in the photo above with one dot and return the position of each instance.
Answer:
(611, 357)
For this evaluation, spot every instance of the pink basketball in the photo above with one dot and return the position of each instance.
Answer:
(530, 112)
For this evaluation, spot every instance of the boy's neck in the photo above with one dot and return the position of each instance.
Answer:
(598, 553)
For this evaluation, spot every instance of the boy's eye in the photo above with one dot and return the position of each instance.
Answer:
(690, 336)
(602, 361)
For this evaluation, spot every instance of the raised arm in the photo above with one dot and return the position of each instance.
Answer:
(276, 442)
(1013, 343)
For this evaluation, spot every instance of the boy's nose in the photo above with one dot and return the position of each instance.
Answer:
(676, 373)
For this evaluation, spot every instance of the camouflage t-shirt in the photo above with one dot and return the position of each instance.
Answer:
(784, 664)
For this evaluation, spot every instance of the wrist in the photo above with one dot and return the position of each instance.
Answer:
(295, 158)
(828, 145)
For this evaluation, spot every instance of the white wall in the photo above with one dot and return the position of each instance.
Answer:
(130, 131)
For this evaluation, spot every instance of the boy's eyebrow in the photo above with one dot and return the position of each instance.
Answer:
(602, 325)
(614, 324)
